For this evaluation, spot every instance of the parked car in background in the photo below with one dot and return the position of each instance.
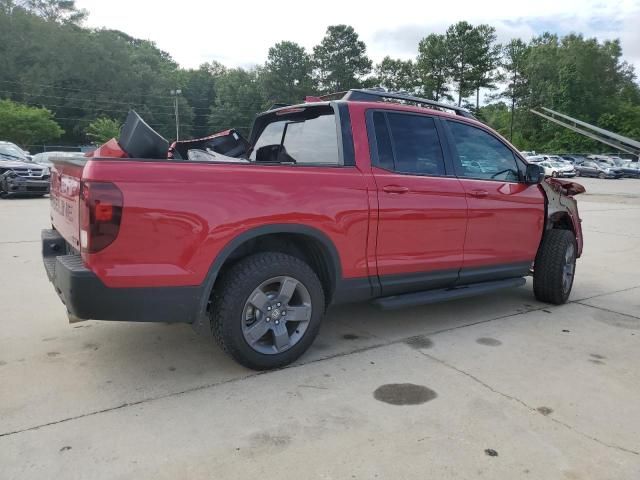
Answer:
(19, 176)
(535, 158)
(574, 159)
(13, 151)
(628, 168)
(44, 158)
(592, 168)
(557, 169)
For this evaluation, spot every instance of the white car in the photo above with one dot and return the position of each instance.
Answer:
(535, 158)
(557, 169)
(44, 158)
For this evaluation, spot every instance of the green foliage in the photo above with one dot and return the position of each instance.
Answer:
(61, 11)
(238, 99)
(286, 77)
(340, 60)
(461, 40)
(434, 66)
(396, 75)
(485, 60)
(26, 125)
(102, 130)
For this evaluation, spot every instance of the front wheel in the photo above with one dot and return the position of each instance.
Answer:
(577, 173)
(602, 176)
(554, 174)
(267, 310)
(555, 266)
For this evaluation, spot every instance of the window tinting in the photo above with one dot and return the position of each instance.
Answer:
(416, 145)
(306, 141)
(385, 153)
(482, 155)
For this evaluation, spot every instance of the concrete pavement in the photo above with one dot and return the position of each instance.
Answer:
(499, 386)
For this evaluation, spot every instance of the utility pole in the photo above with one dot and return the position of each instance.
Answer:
(175, 94)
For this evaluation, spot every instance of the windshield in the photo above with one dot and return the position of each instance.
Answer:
(12, 151)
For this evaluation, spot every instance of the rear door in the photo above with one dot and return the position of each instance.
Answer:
(422, 209)
(506, 215)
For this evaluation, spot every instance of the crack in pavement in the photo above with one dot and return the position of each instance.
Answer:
(529, 407)
(607, 310)
(626, 235)
(297, 365)
(19, 241)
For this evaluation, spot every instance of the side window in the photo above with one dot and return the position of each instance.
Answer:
(410, 144)
(311, 141)
(385, 153)
(481, 155)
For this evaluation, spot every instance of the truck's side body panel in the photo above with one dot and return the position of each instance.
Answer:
(178, 217)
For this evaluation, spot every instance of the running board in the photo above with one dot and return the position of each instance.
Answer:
(434, 296)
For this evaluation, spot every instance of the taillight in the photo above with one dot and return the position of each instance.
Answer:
(100, 215)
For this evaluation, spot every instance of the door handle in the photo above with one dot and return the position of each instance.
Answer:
(479, 193)
(395, 189)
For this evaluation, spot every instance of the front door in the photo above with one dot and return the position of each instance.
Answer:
(506, 215)
(421, 204)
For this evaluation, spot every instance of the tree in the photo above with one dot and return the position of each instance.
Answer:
(434, 66)
(102, 130)
(61, 11)
(340, 60)
(238, 99)
(396, 75)
(199, 92)
(461, 41)
(287, 73)
(485, 60)
(514, 57)
(27, 125)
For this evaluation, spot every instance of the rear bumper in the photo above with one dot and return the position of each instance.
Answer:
(86, 297)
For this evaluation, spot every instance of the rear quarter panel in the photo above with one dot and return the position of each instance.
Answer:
(178, 216)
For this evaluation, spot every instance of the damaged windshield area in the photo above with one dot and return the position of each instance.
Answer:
(303, 137)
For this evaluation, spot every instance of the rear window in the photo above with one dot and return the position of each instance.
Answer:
(309, 138)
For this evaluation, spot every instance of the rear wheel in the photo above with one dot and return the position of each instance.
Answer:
(267, 310)
(577, 173)
(601, 175)
(555, 267)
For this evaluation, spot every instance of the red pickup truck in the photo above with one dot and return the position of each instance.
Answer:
(364, 196)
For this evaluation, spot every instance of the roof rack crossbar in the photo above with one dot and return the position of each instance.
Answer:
(363, 94)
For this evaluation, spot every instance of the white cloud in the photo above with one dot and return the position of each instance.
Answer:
(196, 31)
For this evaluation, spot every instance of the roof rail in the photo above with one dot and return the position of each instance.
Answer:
(375, 95)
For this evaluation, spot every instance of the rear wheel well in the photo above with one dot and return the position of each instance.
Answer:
(305, 247)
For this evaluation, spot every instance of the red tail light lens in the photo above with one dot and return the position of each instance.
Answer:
(100, 215)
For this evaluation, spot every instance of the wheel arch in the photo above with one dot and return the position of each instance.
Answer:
(302, 241)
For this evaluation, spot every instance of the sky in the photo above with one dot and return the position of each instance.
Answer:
(194, 32)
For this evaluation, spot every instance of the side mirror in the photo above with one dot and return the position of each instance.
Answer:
(534, 174)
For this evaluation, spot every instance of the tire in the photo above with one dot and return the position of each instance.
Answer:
(554, 267)
(602, 176)
(232, 303)
(554, 174)
(577, 173)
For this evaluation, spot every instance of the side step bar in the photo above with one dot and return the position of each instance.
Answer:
(434, 296)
